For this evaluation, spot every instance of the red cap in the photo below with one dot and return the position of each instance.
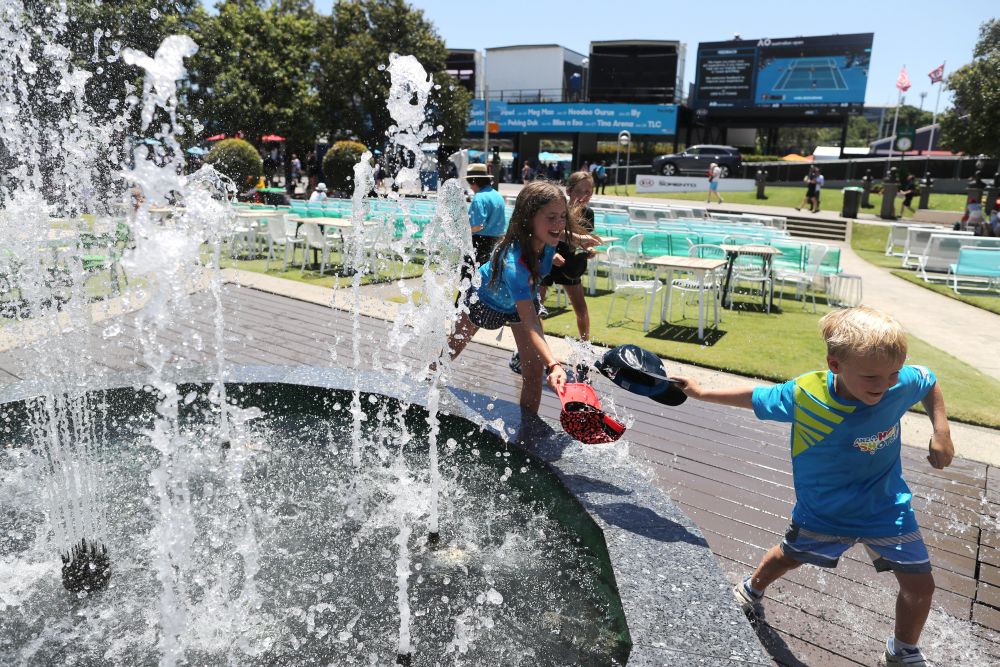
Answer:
(583, 419)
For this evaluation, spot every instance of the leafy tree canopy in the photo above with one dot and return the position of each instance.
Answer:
(353, 84)
(973, 125)
(254, 70)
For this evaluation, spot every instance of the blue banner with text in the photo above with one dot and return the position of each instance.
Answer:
(656, 119)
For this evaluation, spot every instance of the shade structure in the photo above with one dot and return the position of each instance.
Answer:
(272, 137)
(795, 157)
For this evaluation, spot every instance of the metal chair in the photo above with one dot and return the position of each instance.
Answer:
(803, 280)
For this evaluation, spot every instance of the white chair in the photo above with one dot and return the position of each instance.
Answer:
(803, 280)
(749, 267)
(628, 286)
(689, 286)
(281, 233)
(315, 239)
(634, 247)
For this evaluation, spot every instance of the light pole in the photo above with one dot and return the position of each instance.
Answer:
(624, 139)
(585, 63)
(922, 96)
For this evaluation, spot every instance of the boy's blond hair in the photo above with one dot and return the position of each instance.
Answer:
(863, 331)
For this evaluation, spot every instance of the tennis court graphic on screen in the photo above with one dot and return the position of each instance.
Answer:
(798, 74)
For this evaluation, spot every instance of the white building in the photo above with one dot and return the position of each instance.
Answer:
(534, 73)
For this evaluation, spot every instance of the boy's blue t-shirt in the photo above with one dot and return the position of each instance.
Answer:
(846, 463)
(487, 211)
(515, 283)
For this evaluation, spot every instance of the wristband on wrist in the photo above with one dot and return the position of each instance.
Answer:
(554, 363)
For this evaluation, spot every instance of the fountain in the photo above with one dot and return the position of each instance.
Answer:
(261, 515)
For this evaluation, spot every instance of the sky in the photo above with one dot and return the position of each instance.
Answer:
(919, 34)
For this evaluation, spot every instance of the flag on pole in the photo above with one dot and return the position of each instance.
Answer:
(903, 82)
(937, 74)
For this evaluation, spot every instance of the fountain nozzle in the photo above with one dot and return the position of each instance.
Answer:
(403, 659)
(433, 538)
(86, 567)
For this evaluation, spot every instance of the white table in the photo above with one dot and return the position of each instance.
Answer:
(696, 265)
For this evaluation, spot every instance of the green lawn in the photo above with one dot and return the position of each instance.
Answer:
(832, 199)
(869, 242)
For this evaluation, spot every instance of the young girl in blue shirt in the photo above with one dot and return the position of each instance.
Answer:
(508, 289)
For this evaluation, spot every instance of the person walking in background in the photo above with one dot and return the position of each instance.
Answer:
(526, 172)
(908, 188)
(714, 175)
(602, 177)
(819, 189)
(296, 172)
(810, 198)
(570, 261)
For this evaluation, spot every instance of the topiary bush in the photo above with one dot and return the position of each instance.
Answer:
(338, 165)
(238, 160)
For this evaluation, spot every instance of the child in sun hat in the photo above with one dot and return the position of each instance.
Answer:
(846, 467)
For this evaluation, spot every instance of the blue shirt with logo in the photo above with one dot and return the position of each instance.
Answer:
(515, 282)
(846, 463)
(487, 211)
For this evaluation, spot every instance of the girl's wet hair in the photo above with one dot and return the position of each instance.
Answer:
(533, 197)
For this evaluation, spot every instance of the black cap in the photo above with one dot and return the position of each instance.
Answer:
(641, 372)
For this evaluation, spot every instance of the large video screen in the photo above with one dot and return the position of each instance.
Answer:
(804, 75)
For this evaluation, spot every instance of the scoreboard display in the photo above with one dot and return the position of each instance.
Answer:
(790, 76)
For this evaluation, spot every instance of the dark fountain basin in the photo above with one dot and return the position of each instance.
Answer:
(277, 550)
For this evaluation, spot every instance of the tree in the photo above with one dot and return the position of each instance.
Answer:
(338, 165)
(352, 82)
(254, 71)
(973, 124)
(238, 160)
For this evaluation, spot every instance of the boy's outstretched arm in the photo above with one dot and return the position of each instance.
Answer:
(942, 451)
(740, 398)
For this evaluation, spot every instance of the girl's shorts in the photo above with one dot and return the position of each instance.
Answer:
(902, 553)
(485, 317)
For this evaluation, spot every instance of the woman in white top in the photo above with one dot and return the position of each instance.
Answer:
(319, 194)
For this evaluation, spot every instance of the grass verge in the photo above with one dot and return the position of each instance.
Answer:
(831, 199)
(869, 242)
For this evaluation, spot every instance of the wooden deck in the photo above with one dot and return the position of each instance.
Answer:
(730, 472)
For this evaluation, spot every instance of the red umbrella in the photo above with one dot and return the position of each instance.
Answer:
(272, 137)
(216, 137)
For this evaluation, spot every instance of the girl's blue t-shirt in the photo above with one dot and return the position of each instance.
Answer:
(515, 282)
(846, 464)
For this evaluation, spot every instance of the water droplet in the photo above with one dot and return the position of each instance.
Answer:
(154, 13)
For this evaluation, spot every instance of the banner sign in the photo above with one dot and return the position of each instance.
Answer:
(653, 119)
(650, 183)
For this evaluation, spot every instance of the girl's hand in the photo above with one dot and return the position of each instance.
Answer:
(557, 379)
(558, 260)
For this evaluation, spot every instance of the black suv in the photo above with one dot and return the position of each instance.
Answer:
(695, 160)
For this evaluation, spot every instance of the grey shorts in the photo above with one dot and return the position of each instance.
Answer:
(900, 553)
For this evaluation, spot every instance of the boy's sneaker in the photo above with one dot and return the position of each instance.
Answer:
(908, 657)
(748, 600)
(515, 362)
